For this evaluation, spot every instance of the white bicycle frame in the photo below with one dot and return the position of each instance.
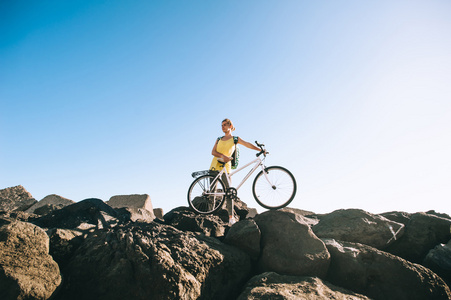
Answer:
(258, 163)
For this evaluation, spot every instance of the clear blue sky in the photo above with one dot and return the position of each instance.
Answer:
(102, 98)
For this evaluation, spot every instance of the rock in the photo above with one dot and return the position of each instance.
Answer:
(380, 275)
(439, 261)
(289, 247)
(131, 252)
(240, 208)
(63, 243)
(310, 217)
(84, 215)
(132, 201)
(252, 213)
(158, 212)
(46, 209)
(274, 286)
(355, 225)
(154, 261)
(27, 271)
(441, 215)
(397, 216)
(15, 216)
(423, 232)
(48, 204)
(185, 219)
(304, 213)
(240, 211)
(245, 235)
(15, 198)
(132, 214)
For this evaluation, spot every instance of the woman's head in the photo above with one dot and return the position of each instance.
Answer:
(228, 123)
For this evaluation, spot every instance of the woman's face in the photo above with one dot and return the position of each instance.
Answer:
(226, 127)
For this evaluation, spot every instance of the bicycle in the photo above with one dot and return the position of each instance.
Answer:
(273, 188)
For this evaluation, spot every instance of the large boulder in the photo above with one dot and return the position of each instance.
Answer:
(380, 275)
(27, 271)
(423, 232)
(133, 201)
(85, 215)
(133, 214)
(49, 204)
(154, 261)
(309, 216)
(358, 226)
(441, 215)
(63, 243)
(439, 261)
(16, 216)
(397, 216)
(271, 285)
(245, 235)
(15, 198)
(289, 246)
(185, 219)
(134, 208)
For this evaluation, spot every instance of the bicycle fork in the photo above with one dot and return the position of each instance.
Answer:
(265, 172)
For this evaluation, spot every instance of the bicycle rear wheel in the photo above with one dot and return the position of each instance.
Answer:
(205, 197)
(275, 189)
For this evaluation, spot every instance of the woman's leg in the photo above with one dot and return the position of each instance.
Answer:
(228, 202)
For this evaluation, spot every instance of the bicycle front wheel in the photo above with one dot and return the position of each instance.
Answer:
(205, 195)
(274, 188)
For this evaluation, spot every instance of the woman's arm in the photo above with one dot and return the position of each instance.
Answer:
(215, 153)
(248, 145)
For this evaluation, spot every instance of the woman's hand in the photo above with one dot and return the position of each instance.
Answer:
(226, 159)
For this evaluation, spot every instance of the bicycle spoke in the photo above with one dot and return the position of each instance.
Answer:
(275, 189)
(202, 194)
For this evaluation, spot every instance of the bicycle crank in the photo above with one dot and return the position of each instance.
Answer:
(232, 193)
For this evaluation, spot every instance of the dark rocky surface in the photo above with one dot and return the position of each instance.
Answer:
(90, 250)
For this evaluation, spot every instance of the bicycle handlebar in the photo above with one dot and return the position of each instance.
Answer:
(263, 150)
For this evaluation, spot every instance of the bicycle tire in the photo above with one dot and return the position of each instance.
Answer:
(198, 198)
(278, 195)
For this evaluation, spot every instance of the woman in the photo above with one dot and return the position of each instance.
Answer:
(222, 151)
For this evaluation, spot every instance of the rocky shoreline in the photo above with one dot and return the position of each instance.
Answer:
(124, 249)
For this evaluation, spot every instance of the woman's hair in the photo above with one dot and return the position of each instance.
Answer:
(229, 123)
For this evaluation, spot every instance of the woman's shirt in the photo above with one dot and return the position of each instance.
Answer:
(226, 148)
